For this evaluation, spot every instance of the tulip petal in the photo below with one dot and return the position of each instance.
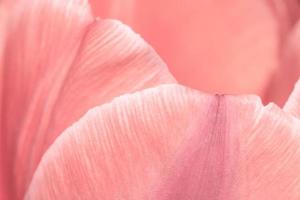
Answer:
(101, 71)
(284, 78)
(119, 148)
(171, 142)
(286, 12)
(43, 38)
(292, 105)
(217, 46)
(3, 189)
(259, 161)
(68, 62)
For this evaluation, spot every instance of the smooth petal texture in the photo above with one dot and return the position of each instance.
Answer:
(287, 14)
(3, 14)
(62, 64)
(285, 77)
(217, 46)
(171, 142)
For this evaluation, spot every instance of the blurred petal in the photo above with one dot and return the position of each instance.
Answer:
(286, 12)
(170, 142)
(63, 63)
(292, 105)
(284, 78)
(42, 41)
(217, 46)
(3, 189)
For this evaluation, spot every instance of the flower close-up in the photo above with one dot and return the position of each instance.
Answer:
(150, 99)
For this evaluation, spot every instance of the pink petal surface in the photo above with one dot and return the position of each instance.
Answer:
(217, 46)
(292, 106)
(171, 142)
(288, 74)
(39, 51)
(2, 44)
(62, 64)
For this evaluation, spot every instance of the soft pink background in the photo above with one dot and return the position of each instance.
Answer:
(217, 46)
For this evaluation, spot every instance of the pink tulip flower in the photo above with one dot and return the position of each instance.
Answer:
(90, 111)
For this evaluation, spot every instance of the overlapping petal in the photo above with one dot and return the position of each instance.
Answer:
(163, 143)
(170, 142)
(59, 62)
(217, 46)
